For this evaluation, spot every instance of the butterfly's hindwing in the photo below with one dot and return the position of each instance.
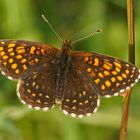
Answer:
(79, 97)
(38, 89)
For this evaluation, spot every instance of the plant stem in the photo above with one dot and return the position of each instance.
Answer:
(131, 44)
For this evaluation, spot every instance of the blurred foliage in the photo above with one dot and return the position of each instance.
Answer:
(72, 20)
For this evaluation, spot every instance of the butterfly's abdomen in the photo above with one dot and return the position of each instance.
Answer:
(60, 78)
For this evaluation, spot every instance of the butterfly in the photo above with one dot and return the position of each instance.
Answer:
(74, 79)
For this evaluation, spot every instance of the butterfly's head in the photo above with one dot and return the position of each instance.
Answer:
(66, 46)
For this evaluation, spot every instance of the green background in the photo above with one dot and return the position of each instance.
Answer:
(21, 19)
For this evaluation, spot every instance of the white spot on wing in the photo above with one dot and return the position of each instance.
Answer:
(132, 85)
(30, 106)
(45, 108)
(73, 115)
(18, 89)
(116, 94)
(107, 96)
(127, 88)
(95, 110)
(139, 76)
(53, 106)
(3, 73)
(65, 112)
(23, 102)
(80, 116)
(134, 68)
(98, 102)
(88, 114)
(9, 77)
(122, 90)
(37, 108)
(136, 80)
(18, 94)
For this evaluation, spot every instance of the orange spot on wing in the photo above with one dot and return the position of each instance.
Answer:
(117, 64)
(5, 57)
(21, 51)
(24, 67)
(117, 84)
(37, 52)
(127, 71)
(103, 87)
(17, 71)
(124, 75)
(107, 66)
(86, 59)
(117, 69)
(14, 66)
(12, 54)
(20, 47)
(114, 72)
(11, 45)
(106, 73)
(32, 50)
(119, 78)
(107, 83)
(92, 74)
(113, 79)
(96, 62)
(31, 62)
(10, 49)
(89, 70)
(97, 81)
(11, 60)
(1, 48)
(36, 60)
(42, 51)
(19, 56)
(4, 63)
(2, 53)
(90, 62)
(100, 75)
(23, 60)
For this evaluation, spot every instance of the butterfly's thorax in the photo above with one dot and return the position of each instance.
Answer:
(64, 66)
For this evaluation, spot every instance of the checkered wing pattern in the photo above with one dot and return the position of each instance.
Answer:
(109, 75)
(20, 58)
(79, 98)
(37, 90)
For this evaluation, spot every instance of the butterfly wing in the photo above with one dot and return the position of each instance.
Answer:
(109, 75)
(18, 58)
(79, 96)
(38, 89)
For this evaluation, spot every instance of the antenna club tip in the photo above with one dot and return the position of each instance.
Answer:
(42, 15)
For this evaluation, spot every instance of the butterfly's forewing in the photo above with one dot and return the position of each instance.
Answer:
(79, 96)
(111, 76)
(19, 58)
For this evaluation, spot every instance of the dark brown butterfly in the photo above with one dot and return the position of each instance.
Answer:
(74, 79)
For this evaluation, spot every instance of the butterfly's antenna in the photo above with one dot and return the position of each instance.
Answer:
(83, 38)
(58, 36)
